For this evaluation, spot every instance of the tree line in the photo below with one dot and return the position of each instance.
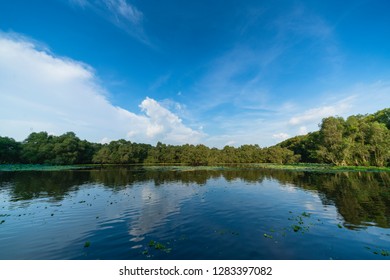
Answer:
(362, 140)
(359, 140)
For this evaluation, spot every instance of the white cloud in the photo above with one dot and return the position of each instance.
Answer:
(42, 92)
(302, 130)
(281, 136)
(357, 99)
(230, 143)
(167, 125)
(317, 114)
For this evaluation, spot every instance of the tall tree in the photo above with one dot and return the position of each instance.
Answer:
(333, 147)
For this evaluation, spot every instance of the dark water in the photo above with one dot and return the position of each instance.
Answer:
(138, 213)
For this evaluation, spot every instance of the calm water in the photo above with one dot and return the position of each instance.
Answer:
(138, 213)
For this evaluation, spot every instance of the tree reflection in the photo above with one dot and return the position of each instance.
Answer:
(362, 198)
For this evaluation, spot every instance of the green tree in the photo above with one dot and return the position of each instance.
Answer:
(9, 150)
(37, 148)
(333, 147)
(279, 155)
(379, 143)
(102, 155)
(382, 116)
(229, 155)
(66, 149)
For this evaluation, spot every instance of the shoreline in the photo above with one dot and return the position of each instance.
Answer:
(307, 167)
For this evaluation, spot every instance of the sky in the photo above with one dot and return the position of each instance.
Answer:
(222, 72)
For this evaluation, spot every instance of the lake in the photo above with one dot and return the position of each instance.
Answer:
(142, 213)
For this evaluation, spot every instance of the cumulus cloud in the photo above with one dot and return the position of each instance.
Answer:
(166, 124)
(43, 92)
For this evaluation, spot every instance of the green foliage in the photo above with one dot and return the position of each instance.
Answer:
(304, 145)
(360, 140)
(357, 141)
(121, 152)
(382, 116)
(66, 149)
(9, 150)
(279, 155)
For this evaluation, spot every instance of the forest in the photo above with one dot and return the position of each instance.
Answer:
(359, 140)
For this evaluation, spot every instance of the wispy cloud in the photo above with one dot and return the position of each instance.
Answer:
(240, 89)
(301, 25)
(124, 12)
(43, 92)
(362, 98)
(271, 127)
(121, 13)
(246, 75)
(316, 114)
(159, 82)
(302, 22)
(280, 136)
(236, 78)
(81, 3)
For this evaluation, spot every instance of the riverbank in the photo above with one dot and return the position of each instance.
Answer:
(174, 167)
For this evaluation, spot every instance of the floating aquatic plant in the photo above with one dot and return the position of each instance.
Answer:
(385, 253)
(307, 215)
(145, 252)
(296, 228)
(382, 252)
(159, 246)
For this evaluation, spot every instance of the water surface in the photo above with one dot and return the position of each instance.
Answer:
(149, 213)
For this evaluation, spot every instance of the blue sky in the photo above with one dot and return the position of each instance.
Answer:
(212, 72)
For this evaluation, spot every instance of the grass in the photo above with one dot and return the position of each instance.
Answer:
(312, 167)
(40, 167)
